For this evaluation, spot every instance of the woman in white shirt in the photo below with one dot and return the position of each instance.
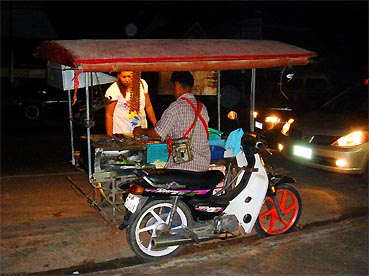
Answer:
(129, 103)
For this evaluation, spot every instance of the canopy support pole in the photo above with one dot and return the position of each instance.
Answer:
(71, 128)
(252, 98)
(218, 88)
(88, 127)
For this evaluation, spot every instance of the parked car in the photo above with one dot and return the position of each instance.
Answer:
(34, 99)
(333, 138)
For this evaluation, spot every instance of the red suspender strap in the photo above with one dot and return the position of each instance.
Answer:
(169, 141)
(193, 123)
(201, 118)
(169, 145)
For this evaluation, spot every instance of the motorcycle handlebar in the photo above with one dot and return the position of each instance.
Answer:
(262, 146)
(253, 143)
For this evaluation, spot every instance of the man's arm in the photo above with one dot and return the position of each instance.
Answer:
(150, 110)
(150, 132)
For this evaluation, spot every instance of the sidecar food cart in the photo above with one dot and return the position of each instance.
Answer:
(73, 64)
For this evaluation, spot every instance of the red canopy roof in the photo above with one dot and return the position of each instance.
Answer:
(113, 55)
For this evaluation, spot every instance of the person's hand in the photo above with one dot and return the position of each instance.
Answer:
(137, 131)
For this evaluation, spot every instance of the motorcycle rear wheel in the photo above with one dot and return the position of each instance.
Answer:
(290, 203)
(154, 217)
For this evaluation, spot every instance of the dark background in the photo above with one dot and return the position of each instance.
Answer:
(336, 30)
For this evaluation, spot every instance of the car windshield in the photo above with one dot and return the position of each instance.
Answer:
(354, 100)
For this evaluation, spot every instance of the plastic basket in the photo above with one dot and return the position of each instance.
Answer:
(216, 152)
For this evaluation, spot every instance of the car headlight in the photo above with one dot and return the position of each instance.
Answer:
(286, 126)
(352, 139)
(272, 119)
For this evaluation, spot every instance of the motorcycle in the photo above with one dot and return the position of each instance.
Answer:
(167, 209)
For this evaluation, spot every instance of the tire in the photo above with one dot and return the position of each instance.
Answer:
(32, 112)
(365, 174)
(289, 201)
(143, 229)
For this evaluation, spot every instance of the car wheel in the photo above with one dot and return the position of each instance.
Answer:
(365, 175)
(32, 112)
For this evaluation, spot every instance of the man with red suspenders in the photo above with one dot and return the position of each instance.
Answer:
(178, 121)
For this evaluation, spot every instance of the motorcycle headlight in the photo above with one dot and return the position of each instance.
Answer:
(352, 139)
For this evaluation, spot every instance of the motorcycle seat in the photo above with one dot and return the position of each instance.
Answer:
(186, 179)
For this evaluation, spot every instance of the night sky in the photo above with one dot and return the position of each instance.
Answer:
(336, 30)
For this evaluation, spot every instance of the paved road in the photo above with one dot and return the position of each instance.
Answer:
(316, 251)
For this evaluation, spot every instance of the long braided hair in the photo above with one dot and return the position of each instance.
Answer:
(134, 105)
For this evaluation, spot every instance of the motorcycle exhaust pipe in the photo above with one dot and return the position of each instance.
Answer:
(166, 241)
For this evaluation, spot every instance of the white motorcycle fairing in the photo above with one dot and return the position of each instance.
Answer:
(246, 205)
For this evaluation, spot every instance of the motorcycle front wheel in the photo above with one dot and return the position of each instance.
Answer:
(289, 201)
(152, 218)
